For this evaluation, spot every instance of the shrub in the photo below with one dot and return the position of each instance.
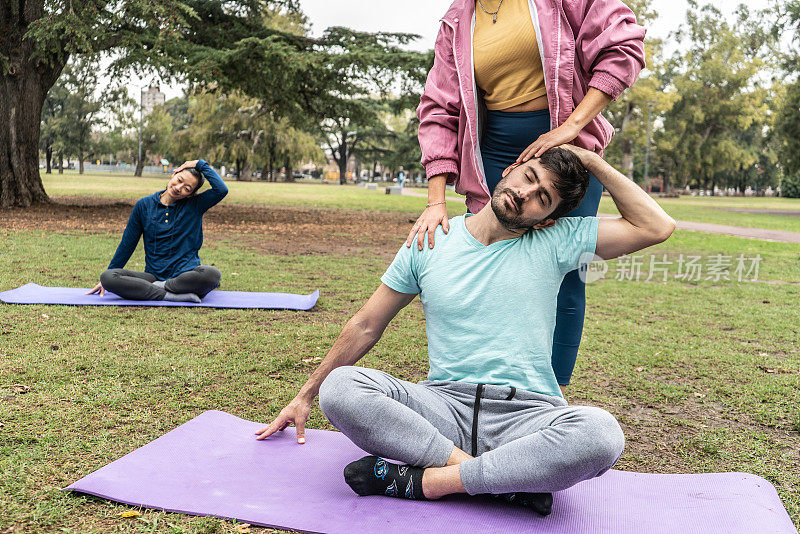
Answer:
(790, 186)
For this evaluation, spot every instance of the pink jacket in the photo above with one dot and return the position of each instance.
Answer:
(583, 43)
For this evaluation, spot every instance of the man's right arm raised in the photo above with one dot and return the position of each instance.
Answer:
(358, 336)
(642, 221)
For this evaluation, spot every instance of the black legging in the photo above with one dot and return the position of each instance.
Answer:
(133, 285)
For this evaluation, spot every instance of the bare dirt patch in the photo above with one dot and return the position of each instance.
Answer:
(272, 229)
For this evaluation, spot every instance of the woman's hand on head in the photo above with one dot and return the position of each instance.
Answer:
(188, 165)
(432, 217)
(98, 289)
(563, 134)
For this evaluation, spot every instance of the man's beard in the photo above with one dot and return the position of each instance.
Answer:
(511, 219)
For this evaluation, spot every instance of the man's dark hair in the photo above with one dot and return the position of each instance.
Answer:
(198, 176)
(571, 180)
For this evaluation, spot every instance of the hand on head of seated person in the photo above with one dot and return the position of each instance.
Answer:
(187, 165)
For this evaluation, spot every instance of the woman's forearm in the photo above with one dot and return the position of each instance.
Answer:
(214, 180)
(436, 188)
(593, 103)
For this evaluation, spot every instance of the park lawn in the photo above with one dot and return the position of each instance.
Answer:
(351, 197)
(713, 210)
(317, 195)
(703, 375)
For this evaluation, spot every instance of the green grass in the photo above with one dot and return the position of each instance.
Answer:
(695, 209)
(713, 210)
(704, 375)
(317, 195)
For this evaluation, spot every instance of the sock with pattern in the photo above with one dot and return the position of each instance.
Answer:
(375, 476)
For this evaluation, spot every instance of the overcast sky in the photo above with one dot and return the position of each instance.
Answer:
(422, 17)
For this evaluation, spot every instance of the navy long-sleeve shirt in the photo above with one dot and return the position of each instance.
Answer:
(172, 234)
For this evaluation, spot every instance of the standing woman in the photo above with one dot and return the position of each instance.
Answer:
(171, 223)
(510, 79)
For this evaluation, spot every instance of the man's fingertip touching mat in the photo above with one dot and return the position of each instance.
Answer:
(36, 294)
(214, 466)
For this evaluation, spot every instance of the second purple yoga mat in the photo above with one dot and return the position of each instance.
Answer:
(212, 465)
(36, 294)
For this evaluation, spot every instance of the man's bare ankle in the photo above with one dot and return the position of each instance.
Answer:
(440, 481)
(457, 456)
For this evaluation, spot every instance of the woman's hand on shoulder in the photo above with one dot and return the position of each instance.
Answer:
(432, 217)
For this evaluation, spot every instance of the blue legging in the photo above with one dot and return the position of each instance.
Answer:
(505, 136)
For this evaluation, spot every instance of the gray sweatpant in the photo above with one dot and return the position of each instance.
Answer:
(522, 441)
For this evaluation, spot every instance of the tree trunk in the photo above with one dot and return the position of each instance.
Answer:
(342, 170)
(342, 159)
(247, 171)
(48, 154)
(60, 163)
(627, 159)
(289, 172)
(139, 167)
(23, 87)
(80, 162)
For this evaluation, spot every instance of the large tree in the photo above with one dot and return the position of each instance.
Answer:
(719, 95)
(629, 114)
(787, 121)
(38, 38)
(204, 41)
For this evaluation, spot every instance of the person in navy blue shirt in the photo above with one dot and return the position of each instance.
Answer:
(171, 224)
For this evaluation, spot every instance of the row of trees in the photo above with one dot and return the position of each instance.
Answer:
(720, 107)
(724, 110)
(254, 49)
(81, 121)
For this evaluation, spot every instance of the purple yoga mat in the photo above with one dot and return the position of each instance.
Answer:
(36, 294)
(213, 465)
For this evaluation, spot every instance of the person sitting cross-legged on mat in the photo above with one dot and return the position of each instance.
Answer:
(171, 222)
(490, 419)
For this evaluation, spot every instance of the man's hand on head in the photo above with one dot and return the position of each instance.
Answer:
(586, 156)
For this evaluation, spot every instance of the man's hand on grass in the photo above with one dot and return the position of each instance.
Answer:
(296, 412)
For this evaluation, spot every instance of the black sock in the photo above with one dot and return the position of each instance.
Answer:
(375, 476)
(541, 503)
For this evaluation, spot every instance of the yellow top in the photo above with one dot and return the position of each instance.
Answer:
(507, 62)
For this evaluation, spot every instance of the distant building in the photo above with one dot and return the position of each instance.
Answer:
(152, 97)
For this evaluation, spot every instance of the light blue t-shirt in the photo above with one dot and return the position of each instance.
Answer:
(490, 311)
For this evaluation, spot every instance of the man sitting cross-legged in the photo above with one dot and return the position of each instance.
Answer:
(489, 292)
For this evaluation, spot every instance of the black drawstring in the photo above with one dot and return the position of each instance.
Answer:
(475, 420)
(476, 411)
